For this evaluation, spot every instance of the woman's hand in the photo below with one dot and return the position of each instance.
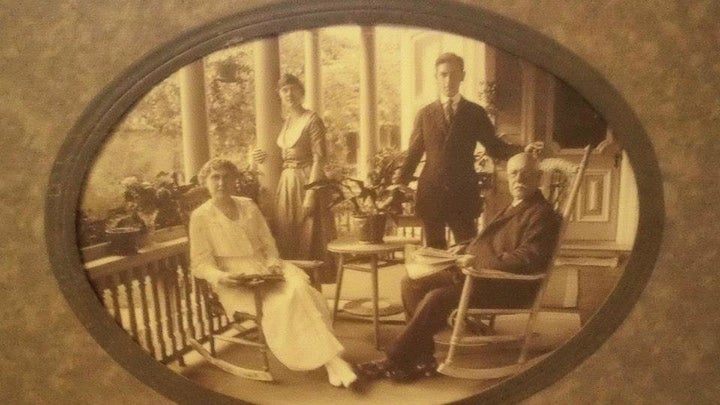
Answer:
(308, 207)
(275, 269)
(231, 280)
(258, 155)
(274, 266)
(307, 211)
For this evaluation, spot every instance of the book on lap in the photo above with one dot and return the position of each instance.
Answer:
(260, 277)
(425, 261)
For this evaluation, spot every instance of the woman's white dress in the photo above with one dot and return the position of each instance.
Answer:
(296, 319)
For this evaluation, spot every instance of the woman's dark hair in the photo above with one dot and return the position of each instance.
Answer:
(287, 79)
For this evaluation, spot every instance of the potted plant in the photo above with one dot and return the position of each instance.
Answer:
(128, 225)
(248, 183)
(485, 172)
(146, 207)
(373, 201)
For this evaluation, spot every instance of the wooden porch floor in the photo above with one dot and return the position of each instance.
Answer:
(311, 387)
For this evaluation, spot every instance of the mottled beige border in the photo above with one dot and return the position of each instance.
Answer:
(661, 57)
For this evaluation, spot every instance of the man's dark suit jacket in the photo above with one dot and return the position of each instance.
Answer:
(519, 240)
(448, 184)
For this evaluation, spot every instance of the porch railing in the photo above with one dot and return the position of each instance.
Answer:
(153, 296)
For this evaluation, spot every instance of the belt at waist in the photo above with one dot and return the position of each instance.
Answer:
(296, 164)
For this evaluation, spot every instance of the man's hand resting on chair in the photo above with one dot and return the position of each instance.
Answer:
(466, 260)
(462, 259)
(458, 249)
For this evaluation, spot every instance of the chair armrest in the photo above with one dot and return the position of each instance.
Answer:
(306, 264)
(500, 275)
(312, 268)
(459, 248)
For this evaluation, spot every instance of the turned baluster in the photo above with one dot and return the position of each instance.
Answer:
(142, 279)
(114, 284)
(127, 280)
(159, 330)
(178, 313)
(167, 278)
(190, 308)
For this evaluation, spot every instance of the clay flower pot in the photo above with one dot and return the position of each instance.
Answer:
(370, 228)
(124, 240)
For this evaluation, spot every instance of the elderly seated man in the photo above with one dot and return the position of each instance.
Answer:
(520, 239)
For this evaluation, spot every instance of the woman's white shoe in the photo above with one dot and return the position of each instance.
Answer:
(340, 373)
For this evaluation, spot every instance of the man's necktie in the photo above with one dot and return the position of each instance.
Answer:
(449, 111)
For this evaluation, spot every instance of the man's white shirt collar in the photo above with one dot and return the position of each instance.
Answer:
(455, 100)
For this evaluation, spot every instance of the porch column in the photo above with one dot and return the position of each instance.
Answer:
(549, 101)
(368, 103)
(312, 71)
(407, 87)
(193, 111)
(528, 113)
(488, 79)
(268, 118)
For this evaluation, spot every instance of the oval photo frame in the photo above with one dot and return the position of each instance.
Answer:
(86, 138)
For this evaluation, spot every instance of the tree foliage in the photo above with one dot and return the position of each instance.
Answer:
(158, 111)
(149, 138)
(230, 84)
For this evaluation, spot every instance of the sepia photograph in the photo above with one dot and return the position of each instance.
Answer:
(357, 214)
(359, 201)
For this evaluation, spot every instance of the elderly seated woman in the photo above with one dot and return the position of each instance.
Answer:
(229, 238)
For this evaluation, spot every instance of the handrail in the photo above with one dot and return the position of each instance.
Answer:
(94, 252)
(116, 264)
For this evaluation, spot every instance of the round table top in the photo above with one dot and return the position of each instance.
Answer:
(357, 247)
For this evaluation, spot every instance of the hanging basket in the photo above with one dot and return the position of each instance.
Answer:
(370, 228)
(227, 72)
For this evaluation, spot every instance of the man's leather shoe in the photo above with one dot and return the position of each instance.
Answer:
(427, 367)
(402, 374)
(385, 368)
(374, 369)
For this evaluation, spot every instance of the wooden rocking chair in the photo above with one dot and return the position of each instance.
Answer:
(459, 317)
(245, 335)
